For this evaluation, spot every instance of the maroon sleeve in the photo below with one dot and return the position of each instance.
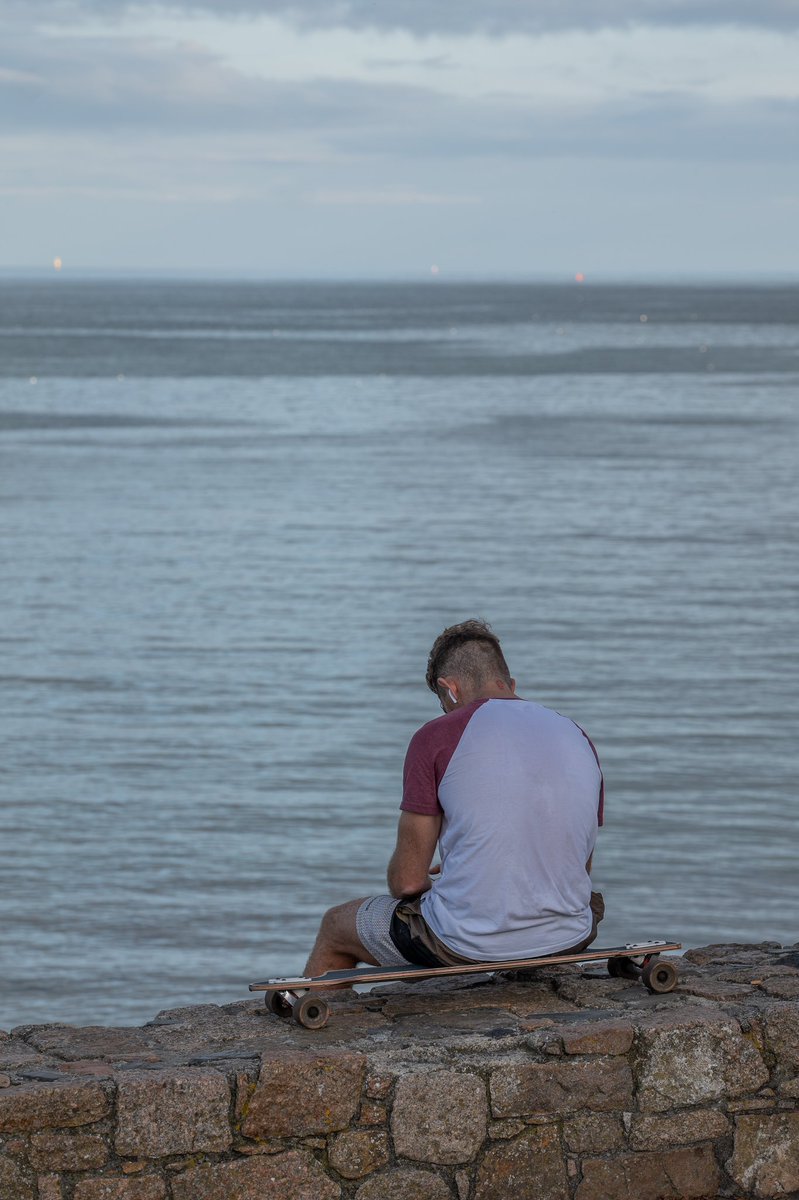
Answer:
(427, 759)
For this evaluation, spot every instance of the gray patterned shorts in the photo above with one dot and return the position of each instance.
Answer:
(373, 922)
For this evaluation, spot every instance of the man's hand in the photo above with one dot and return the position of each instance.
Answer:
(409, 870)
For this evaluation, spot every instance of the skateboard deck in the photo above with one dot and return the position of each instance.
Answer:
(294, 995)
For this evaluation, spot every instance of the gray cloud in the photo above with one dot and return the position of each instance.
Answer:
(498, 17)
(107, 86)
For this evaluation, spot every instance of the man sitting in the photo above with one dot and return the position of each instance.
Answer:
(512, 795)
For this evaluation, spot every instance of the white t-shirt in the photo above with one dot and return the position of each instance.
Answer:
(521, 793)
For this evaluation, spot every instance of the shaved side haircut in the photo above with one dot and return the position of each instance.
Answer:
(470, 650)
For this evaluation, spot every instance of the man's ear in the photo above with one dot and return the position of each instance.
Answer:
(448, 684)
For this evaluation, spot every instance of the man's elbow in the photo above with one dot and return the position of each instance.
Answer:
(407, 887)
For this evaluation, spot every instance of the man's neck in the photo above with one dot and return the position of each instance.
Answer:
(495, 692)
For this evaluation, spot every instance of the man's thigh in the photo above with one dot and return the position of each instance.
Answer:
(340, 930)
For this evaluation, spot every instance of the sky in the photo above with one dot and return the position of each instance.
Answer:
(401, 138)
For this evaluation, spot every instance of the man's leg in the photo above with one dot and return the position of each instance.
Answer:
(337, 946)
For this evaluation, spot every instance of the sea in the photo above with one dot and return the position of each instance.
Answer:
(235, 515)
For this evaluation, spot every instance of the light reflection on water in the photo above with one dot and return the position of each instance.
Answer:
(219, 594)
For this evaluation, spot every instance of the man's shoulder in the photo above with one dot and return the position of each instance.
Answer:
(449, 725)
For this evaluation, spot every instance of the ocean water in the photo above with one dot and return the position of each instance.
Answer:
(233, 518)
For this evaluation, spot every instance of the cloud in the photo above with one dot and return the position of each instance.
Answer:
(387, 198)
(128, 87)
(460, 16)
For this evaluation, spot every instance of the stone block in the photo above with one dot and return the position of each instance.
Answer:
(144, 1187)
(358, 1152)
(49, 1187)
(373, 1113)
(686, 1061)
(751, 1104)
(593, 1133)
(544, 1040)
(404, 1185)
(520, 1089)
(439, 1116)
(502, 1130)
(17, 1055)
(662, 1133)
(598, 1037)
(690, 1174)
(765, 1159)
(293, 1175)
(305, 1094)
(785, 989)
(52, 1106)
(14, 1182)
(180, 1111)
(782, 1037)
(5, 1080)
(68, 1151)
(378, 1085)
(531, 1167)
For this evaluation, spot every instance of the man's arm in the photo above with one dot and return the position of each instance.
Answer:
(417, 838)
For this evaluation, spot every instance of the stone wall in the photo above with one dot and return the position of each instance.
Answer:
(564, 1085)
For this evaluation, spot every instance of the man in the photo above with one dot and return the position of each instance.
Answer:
(512, 795)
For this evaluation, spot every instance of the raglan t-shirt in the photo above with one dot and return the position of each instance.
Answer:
(521, 795)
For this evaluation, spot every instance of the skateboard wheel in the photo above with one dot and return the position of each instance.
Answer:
(659, 975)
(311, 1012)
(623, 968)
(277, 1004)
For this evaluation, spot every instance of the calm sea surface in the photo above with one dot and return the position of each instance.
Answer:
(233, 517)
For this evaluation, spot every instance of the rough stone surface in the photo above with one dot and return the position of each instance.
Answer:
(594, 1084)
(172, 1112)
(694, 1060)
(785, 989)
(51, 1106)
(373, 1113)
(148, 1187)
(600, 1037)
(297, 1096)
(601, 1085)
(49, 1187)
(379, 1085)
(293, 1175)
(782, 1035)
(439, 1116)
(531, 1167)
(14, 1184)
(404, 1185)
(358, 1152)
(15, 1055)
(504, 1129)
(663, 1132)
(765, 1158)
(68, 1151)
(674, 1175)
(593, 1133)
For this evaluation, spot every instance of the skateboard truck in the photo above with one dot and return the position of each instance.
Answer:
(312, 1012)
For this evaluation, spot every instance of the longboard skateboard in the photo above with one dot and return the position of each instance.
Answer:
(294, 997)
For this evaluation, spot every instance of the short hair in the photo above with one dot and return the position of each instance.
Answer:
(471, 650)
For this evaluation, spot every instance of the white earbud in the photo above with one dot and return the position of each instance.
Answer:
(453, 698)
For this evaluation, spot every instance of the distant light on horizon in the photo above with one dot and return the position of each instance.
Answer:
(434, 270)
(579, 277)
(57, 264)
